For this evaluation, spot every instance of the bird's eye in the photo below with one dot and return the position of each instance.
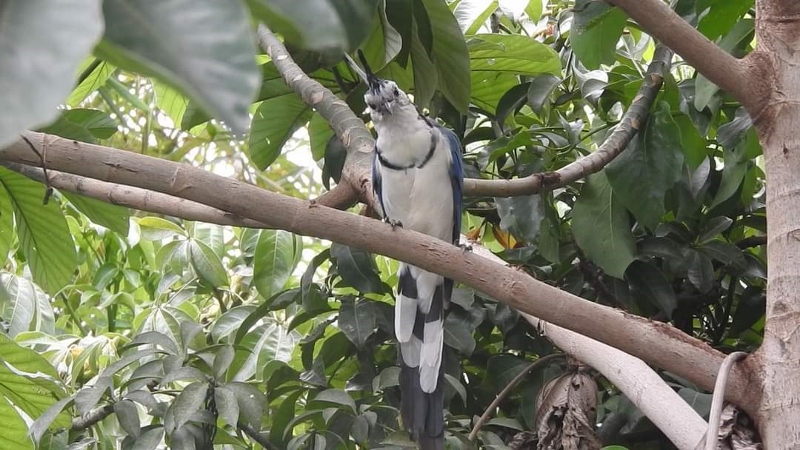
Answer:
(396, 92)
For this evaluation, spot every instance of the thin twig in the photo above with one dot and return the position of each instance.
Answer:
(506, 390)
(632, 121)
(719, 397)
(256, 436)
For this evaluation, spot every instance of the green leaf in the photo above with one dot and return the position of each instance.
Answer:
(156, 228)
(473, 14)
(207, 264)
(274, 122)
(40, 426)
(521, 215)
(705, 89)
(82, 125)
(540, 90)
(426, 78)
(510, 53)
(449, 54)
(701, 270)
(15, 431)
(251, 403)
(335, 25)
(601, 228)
(150, 438)
(24, 306)
(596, 29)
(43, 233)
(713, 228)
(458, 335)
(99, 71)
(29, 382)
(336, 396)
(648, 282)
(222, 360)
(207, 55)
(726, 253)
(190, 400)
(319, 132)
(113, 217)
(648, 168)
(128, 417)
(43, 46)
(357, 268)
(693, 145)
(357, 320)
(274, 261)
(721, 16)
(227, 405)
(6, 224)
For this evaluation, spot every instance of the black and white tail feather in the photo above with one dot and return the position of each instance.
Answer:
(417, 178)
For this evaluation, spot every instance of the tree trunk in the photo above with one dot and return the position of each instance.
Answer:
(778, 123)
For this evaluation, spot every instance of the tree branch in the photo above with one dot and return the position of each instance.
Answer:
(634, 118)
(487, 413)
(641, 384)
(256, 436)
(355, 184)
(132, 197)
(91, 418)
(656, 343)
(722, 69)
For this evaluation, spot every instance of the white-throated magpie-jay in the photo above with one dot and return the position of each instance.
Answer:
(417, 180)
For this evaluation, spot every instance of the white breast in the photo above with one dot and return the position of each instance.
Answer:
(422, 199)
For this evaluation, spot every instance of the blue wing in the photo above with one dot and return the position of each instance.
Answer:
(456, 178)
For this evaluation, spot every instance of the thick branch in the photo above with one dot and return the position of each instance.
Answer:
(133, 197)
(348, 127)
(634, 118)
(722, 69)
(91, 418)
(656, 343)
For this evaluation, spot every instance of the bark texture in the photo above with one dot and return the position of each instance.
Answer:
(775, 68)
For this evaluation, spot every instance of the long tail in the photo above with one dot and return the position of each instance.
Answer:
(422, 300)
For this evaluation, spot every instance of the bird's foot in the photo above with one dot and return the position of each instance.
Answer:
(465, 247)
(393, 222)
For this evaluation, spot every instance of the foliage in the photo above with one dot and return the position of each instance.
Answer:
(186, 333)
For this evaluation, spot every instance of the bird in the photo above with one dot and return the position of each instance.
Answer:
(417, 180)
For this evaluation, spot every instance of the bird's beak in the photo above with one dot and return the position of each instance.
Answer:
(366, 74)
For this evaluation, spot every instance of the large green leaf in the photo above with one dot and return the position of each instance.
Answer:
(24, 306)
(357, 320)
(208, 54)
(207, 264)
(15, 431)
(510, 53)
(649, 282)
(29, 382)
(43, 45)
(472, 14)
(648, 168)
(600, 226)
(521, 216)
(332, 25)
(721, 16)
(113, 217)
(95, 73)
(449, 52)
(274, 122)
(274, 261)
(43, 233)
(357, 268)
(596, 28)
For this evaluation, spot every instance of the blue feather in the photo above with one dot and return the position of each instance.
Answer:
(456, 178)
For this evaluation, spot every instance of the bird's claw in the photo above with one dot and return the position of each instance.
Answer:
(465, 247)
(393, 222)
